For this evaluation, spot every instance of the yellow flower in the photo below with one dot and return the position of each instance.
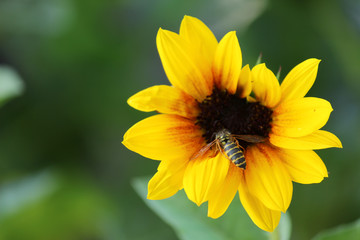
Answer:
(210, 92)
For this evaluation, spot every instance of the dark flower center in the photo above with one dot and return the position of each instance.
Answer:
(221, 110)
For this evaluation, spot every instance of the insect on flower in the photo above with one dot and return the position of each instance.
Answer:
(265, 132)
(228, 145)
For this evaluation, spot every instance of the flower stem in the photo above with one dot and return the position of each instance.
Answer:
(275, 235)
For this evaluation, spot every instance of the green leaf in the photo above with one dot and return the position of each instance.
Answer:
(348, 231)
(11, 84)
(278, 74)
(259, 59)
(191, 222)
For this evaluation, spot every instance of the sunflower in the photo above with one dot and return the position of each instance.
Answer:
(210, 92)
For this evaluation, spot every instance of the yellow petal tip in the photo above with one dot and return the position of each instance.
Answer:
(187, 17)
(335, 140)
(150, 196)
(213, 216)
(232, 34)
(131, 102)
(124, 138)
(160, 31)
(339, 144)
(125, 143)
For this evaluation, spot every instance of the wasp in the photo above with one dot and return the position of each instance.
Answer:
(229, 146)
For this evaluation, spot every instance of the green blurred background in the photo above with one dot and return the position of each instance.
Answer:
(64, 173)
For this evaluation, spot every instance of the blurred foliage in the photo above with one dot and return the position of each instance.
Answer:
(51, 205)
(81, 60)
(191, 222)
(348, 231)
(10, 84)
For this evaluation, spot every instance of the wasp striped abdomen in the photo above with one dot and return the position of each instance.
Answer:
(232, 149)
(235, 154)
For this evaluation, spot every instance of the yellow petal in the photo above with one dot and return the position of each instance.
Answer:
(227, 63)
(163, 137)
(219, 202)
(267, 178)
(167, 181)
(184, 68)
(203, 177)
(244, 84)
(165, 99)
(200, 36)
(304, 166)
(265, 86)
(300, 79)
(319, 139)
(263, 217)
(300, 117)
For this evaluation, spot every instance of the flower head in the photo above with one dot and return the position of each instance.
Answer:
(271, 128)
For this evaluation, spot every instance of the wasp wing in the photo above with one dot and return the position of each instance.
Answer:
(203, 150)
(250, 138)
